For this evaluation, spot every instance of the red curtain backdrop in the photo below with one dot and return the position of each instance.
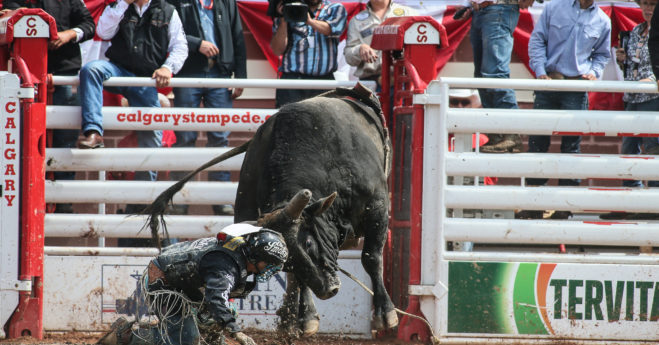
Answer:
(259, 24)
(253, 14)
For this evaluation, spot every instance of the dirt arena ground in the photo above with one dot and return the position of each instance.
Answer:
(261, 338)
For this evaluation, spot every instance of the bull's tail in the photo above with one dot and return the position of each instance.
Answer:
(156, 209)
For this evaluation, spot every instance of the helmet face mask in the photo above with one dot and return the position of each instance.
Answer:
(267, 273)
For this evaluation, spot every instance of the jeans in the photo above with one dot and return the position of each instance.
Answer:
(285, 96)
(569, 144)
(492, 42)
(65, 138)
(212, 98)
(632, 145)
(92, 76)
(179, 330)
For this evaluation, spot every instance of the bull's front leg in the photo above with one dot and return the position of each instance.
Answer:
(384, 315)
(288, 312)
(309, 319)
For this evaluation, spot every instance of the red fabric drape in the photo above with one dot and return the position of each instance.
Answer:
(521, 36)
(456, 31)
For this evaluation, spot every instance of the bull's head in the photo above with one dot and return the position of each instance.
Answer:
(312, 253)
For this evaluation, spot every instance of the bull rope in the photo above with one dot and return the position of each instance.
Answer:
(434, 339)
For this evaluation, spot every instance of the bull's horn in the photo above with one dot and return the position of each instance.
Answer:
(298, 203)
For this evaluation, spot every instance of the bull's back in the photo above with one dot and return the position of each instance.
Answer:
(323, 144)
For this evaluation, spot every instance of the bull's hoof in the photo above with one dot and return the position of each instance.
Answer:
(378, 324)
(391, 319)
(310, 327)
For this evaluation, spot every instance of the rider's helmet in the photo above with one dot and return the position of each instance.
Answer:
(268, 246)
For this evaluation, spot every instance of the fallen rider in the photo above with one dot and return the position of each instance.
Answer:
(173, 282)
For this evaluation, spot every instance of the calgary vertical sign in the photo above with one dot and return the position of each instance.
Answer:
(10, 153)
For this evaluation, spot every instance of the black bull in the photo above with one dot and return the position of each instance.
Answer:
(332, 146)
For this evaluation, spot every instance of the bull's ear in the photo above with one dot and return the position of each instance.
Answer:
(322, 204)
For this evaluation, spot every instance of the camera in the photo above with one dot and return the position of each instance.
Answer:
(294, 10)
(623, 39)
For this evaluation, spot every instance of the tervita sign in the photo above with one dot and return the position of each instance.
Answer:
(592, 301)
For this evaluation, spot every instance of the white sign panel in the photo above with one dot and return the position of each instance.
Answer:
(100, 289)
(421, 33)
(31, 26)
(603, 301)
(9, 193)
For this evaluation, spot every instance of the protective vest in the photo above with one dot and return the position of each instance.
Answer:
(140, 45)
(180, 263)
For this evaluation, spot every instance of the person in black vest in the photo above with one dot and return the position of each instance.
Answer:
(74, 25)
(173, 282)
(147, 41)
(216, 49)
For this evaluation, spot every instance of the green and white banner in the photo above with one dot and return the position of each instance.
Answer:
(587, 301)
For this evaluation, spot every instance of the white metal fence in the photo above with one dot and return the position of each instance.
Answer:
(439, 197)
(141, 159)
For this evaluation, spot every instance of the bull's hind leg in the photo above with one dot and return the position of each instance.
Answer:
(375, 229)
(309, 319)
(288, 312)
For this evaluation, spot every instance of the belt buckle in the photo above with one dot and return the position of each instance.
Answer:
(211, 63)
(556, 75)
(485, 4)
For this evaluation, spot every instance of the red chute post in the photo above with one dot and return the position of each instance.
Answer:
(410, 46)
(23, 48)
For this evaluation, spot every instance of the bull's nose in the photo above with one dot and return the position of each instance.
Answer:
(329, 293)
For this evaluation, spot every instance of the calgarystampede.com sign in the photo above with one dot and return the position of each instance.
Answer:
(169, 116)
(556, 300)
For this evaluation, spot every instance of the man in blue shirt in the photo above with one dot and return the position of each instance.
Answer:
(309, 49)
(216, 50)
(572, 41)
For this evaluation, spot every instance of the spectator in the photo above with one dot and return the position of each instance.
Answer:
(308, 48)
(358, 51)
(492, 29)
(571, 41)
(191, 283)
(147, 40)
(216, 49)
(74, 25)
(634, 59)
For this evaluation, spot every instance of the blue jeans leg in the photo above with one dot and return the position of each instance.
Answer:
(631, 146)
(492, 44)
(212, 98)
(569, 144)
(180, 331)
(144, 97)
(634, 147)
(92, 76)
(65, 138)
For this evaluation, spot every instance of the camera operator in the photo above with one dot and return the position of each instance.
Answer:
(306, 35)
